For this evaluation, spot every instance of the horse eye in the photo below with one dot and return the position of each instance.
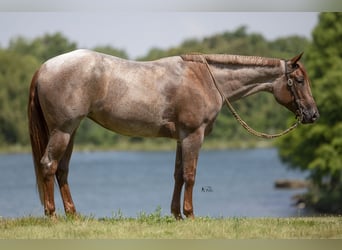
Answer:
(300, 80)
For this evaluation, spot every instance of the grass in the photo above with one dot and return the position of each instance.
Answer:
(156, 226)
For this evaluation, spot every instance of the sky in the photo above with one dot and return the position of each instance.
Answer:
(137, 32)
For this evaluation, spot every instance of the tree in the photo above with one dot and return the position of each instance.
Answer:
(319, 148)
(15, 77)
(286, 45)
(44, 47)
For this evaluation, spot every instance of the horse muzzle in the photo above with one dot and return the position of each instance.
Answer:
(309, 115)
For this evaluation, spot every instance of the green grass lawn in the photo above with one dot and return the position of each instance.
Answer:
(155, 226)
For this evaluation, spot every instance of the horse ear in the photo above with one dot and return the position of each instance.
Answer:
(294, 60)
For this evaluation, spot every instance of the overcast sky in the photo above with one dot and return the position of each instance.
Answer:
(137, 32)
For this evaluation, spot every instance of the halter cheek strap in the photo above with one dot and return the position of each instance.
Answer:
(291, 87)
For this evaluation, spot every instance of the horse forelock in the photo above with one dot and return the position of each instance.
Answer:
(225, 59)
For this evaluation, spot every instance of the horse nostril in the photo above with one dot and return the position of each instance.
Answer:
(315, 116)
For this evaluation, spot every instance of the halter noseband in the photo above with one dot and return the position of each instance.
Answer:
(291, 87)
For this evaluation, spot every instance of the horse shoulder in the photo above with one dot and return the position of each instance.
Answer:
(199, 102)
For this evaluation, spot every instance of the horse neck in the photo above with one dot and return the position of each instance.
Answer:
(241, 76)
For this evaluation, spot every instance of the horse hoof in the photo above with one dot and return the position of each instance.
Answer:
(178, 216)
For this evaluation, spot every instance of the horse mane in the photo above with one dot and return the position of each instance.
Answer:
(225, 59)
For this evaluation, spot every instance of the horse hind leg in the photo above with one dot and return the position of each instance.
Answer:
(62, 179)
(56, 147)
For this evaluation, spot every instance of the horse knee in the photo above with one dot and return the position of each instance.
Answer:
(189, 179)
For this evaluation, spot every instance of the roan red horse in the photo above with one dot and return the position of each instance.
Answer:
(177, 97)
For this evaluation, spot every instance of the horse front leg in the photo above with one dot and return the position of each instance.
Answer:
(191, 146)
(179, 181)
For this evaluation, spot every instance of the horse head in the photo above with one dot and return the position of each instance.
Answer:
(293, 91)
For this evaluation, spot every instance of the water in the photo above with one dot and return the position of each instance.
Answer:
(228, 183)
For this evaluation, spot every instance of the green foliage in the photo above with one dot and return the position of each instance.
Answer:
(44, 47)
(287, 46)
(90, 132)
(237, 42)
(15, 75)
(155, 217)
(318, 148)
(23, 56)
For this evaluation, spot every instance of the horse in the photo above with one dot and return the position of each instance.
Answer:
(176, 97)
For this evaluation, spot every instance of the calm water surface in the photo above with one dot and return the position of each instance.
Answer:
(229, 183)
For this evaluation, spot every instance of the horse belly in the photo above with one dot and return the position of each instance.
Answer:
(130, 118)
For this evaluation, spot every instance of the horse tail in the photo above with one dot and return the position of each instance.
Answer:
(39, 133)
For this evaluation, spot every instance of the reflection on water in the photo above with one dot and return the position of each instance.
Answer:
(229, 183)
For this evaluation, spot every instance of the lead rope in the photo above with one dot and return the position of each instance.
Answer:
(239, 119)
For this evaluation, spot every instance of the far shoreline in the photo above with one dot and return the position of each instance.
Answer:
(146, 146)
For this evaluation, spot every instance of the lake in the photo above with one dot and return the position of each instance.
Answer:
(229, 183)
